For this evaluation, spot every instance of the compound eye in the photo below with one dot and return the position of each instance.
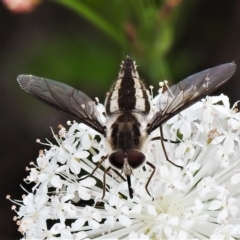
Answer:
(117, 159)
(135, 158)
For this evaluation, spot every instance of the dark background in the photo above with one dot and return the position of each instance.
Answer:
(167, 41)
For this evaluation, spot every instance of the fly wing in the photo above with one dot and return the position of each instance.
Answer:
(190, 90)
(64, 98)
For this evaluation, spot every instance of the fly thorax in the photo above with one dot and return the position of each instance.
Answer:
(128, 92)
(126, 131)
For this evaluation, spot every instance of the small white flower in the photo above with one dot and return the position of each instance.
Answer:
(202, 201)
(82, 188)
(60, 209)
(90, 215)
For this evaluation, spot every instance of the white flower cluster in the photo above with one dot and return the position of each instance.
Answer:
(202, 201)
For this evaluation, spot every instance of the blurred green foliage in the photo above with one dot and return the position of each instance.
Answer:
(87, 54)
(145, 29)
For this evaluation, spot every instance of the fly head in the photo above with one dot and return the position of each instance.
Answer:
(128, 160)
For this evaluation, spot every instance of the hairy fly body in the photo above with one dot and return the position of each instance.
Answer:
(128, 124)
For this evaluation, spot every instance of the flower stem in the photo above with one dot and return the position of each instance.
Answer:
(93, 17)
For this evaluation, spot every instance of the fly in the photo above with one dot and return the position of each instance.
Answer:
(128, 128)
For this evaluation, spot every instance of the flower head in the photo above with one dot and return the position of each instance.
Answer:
(202, 201)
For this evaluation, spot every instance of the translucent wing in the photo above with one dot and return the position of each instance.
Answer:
(189, 91)
(64, 98)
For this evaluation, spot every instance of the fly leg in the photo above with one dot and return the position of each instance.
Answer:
(164, 149)
(164, 139)
(104, 180)
(95, 169)
(149, 179)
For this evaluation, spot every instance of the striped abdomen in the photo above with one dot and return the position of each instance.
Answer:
(128, 92)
